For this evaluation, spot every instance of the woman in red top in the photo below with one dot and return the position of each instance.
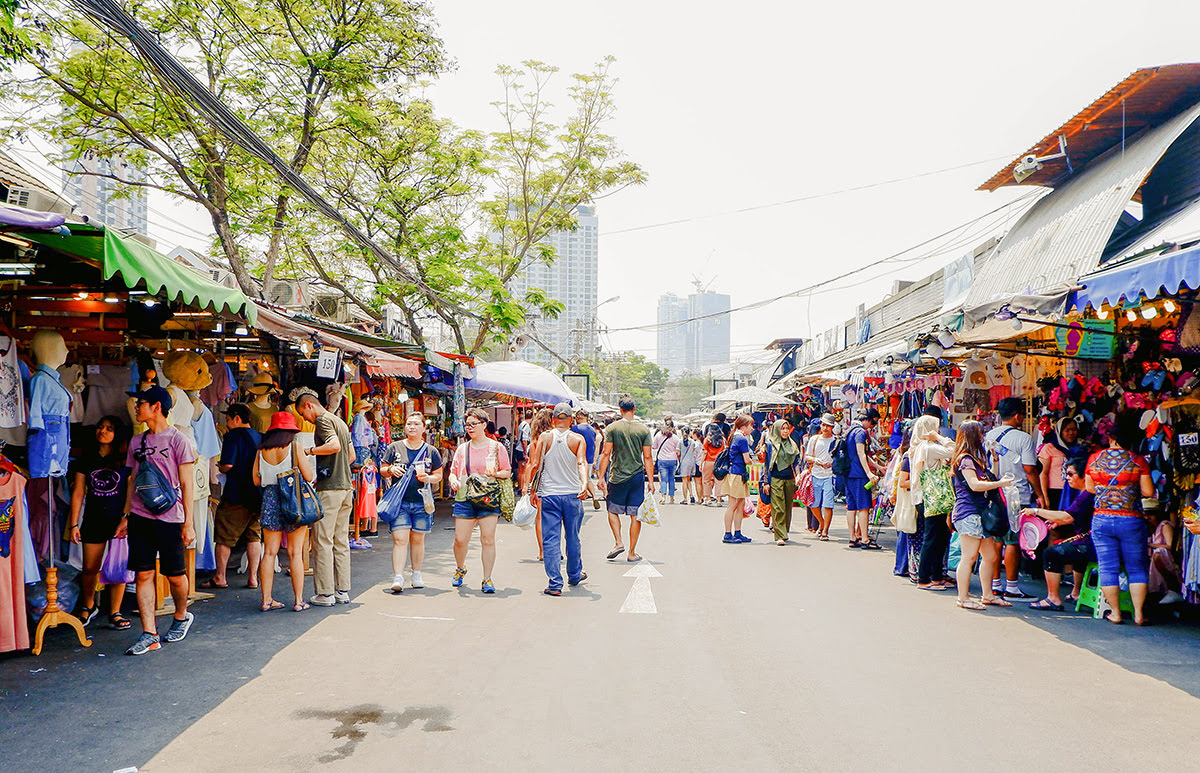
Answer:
(1119, 479)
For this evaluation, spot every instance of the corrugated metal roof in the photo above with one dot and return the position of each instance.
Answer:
(856, 354)
(1063, 235)
(1146, 98)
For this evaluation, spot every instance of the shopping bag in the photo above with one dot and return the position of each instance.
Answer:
(524, 512)
(648, 512)
(764, 514)
(114, 569)
(904, 515)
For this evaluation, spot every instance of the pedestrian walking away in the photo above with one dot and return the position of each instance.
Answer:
(589, 435)
(335, 489)
(415, 466)
(558, 461)
(542, 421)
(929, 458)
(859, 480)
(480, 467)
(666, 444)
(714, 442)
(279, 452)
(627, 462)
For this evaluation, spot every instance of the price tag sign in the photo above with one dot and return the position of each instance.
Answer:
(327, 362)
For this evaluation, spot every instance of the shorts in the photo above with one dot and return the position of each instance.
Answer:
(823, 492)
(150, 538)
(466, 509)
(1012, 538)
(971, 526)
(231, 521)
(857, 496)
(626, 497)
(411, 516)
(734, 486)
(98, 528)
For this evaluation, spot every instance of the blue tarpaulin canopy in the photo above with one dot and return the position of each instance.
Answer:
(1160, 275)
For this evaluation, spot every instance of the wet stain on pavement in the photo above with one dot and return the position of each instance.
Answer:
(354, 722)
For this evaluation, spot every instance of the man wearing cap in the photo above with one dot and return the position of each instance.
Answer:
(561, 456)
(165, 535)
(331, 534)
(819, 456)
(238, 512)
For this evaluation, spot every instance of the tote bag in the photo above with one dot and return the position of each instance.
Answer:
(936, 490)
(904, 516)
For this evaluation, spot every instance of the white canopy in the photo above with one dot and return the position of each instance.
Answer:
(519, 379)
(751, 394)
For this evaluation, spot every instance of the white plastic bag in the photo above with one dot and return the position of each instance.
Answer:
(648, 512)
(524, 513)
(1012, 501)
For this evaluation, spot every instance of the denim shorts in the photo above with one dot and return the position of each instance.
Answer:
(410, 516)
(467, 510)
(823, 492)
(857, 496)
(971, 526)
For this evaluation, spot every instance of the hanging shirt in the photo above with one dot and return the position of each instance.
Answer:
(12, 393)
(49, 425)
(14, 623)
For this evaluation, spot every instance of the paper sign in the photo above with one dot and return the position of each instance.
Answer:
(327, 362)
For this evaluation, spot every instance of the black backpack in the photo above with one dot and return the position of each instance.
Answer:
(721, 465)
(841, 458)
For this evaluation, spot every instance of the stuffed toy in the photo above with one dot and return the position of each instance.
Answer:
(187, 372)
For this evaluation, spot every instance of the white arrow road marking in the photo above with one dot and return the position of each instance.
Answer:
(641, 599)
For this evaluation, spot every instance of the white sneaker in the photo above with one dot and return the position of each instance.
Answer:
(417, 582)
(343, 597)
(398, 584)
(322, 600)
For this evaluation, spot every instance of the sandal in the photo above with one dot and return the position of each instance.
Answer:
(272, 606)
(118, 622)
(615, 552)
(854, 544)
(1046, 605)
(970, 604)
(211, 584)
(1108, 617)
(824, 537)
(996, 601)
(871, 545)
(87, 615)
(303, 605)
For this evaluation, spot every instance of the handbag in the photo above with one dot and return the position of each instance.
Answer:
(298, 501)
(152, 485)
(804, 488)
(482, 492)
(995, 515)
(508, 499)
(904, 515)
(937, 492)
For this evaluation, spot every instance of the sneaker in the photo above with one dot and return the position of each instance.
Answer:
(553, 591)
(398, 584)
(1170, 597)
(741, 538)
(341, 596)
(488, 586)
(147, 642)
(179, 628)
(459, 574)
(728, 539)
(322, 600)
(417, 582)
(595, 503)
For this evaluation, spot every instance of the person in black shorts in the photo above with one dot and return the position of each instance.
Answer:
(97, 497)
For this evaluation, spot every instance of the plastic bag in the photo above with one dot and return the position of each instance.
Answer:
(114, 570)
(524, 512)
(1012, 500)
(648, 512)
(748, 507)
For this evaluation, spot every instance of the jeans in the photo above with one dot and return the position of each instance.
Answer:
(666, 475)
(933, 546)
(1121, 539)
(559, 511)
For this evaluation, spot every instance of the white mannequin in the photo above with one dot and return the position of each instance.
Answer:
(49, 348)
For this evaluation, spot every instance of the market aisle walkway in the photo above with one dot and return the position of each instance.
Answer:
(807, 657)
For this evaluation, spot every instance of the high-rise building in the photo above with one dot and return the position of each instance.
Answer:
(96, 193)
(707, 332)
(672, 333)
(571, 280)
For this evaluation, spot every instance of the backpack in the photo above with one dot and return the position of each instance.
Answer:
(153, 487)
(841, 458)
(721, 464)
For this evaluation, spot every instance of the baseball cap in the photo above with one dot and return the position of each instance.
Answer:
(563, 409)
(155, 394)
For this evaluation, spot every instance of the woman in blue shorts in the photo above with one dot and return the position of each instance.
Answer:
(410, 520)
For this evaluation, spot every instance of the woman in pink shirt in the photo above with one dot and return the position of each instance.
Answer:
(479, 456)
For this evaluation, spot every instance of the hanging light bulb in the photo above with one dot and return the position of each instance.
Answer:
(1016, 323)
(1169, 306)
(1149, 312)
(1131, 315)
(241, 330)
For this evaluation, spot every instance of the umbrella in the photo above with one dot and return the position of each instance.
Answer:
(751, 394)
(519, 379)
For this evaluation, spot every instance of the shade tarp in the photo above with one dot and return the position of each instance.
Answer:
(1152, 277)
(377, 363)
(751, 394)
(517, 378)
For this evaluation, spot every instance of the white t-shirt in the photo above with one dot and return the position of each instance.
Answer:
(12, 393)
(1014, 450)
(819, 451)
(997, 370)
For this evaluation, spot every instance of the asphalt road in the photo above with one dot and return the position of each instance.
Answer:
(804, 657)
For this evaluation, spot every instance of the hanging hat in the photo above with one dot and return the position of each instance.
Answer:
(263, 383)
(283, 420)
(1031, 533)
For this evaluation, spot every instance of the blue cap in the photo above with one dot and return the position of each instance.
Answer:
(155, 394)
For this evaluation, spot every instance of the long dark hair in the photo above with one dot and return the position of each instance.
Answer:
(121, 433)
(277, 438)
(969, 442)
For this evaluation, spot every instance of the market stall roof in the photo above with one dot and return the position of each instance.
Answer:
(119, 255)
(519, 379)
(352, 334)
(995, 330)
(751, 394)
(858, 353)
(1156, 275)
(1146, 97)
(281, 325)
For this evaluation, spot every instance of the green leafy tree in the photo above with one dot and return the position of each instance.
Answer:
(628, 373)
(684, 394)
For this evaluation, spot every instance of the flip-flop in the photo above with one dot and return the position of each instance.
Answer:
(616, 552)
(1046, 606)
(870, 545)
(1108, 618)
(252, 587)
(211, 584)
(119, 622)
(933, 587)
(634, 559)
(272, 606)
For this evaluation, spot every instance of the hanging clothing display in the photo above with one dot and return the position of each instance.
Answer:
(107, 390)
(14, 622)
(12, 393)
(49, 425)
(222, 385)
(365, 501)
(260, 418)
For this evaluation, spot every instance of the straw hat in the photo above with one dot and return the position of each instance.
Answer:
(262, 384)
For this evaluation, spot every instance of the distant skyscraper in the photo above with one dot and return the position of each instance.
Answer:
(672, 333)
(571, 280)
(97, 194)
(707, 336)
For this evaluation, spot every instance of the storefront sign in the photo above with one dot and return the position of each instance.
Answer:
(429, 405)
(1089, 339)
(327, 362)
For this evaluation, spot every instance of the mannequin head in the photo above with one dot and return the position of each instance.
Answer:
(49, 348)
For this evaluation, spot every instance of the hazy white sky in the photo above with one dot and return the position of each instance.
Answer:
(728, 106)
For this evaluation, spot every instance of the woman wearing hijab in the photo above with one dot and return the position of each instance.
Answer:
(779, 477)
(1058, 448)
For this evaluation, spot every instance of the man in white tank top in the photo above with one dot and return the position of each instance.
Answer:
(560, 455)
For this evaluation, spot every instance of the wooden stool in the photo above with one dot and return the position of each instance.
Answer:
(1092, 597)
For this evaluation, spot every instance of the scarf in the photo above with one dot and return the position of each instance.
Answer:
(783, 449)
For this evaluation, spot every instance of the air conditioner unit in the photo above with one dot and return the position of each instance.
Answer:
(288, 293)
(334, 308)
(222, 277)
(18, 197)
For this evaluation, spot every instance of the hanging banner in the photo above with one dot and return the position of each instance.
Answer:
(327, 362)
(1089, 339)
(957, 279)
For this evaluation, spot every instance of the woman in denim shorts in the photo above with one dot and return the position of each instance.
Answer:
(480, 455)
(408, 520)
(972, 480)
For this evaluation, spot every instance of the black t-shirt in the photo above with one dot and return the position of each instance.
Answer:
(401, 456)
(105, 478)
(238, 449)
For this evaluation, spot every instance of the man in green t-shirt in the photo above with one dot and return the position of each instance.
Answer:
(630, 469)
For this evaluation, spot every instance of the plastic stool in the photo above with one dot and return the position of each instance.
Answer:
(1092, 597)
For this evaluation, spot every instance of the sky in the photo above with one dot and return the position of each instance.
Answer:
(728, 107)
